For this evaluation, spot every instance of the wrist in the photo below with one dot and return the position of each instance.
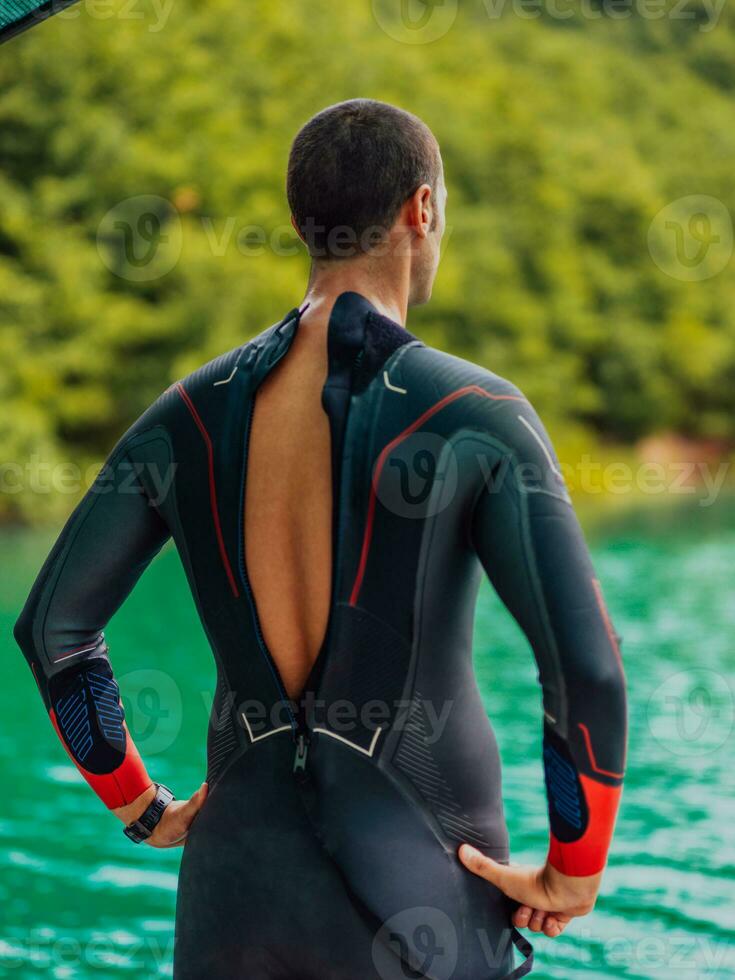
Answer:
(132, 811)
(572, 891)
(143, 828)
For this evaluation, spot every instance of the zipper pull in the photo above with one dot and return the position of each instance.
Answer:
(302, 751)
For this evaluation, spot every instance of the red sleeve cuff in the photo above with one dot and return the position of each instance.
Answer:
(588, 855)
(125, 784)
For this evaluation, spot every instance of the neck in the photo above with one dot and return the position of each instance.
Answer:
(387, 289)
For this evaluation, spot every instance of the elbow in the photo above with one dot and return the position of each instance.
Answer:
(23, 629)
(601, 673)
(609, 678)
(607, 689)
(600, 693)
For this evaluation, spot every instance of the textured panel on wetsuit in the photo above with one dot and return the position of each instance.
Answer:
(368, 665)
(221, 736)
(415, 760)
(90, 718)
(568, 813)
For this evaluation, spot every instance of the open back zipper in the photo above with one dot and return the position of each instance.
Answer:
(339, 375)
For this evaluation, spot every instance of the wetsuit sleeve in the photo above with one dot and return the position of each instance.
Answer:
(108, 542)
(530, 543)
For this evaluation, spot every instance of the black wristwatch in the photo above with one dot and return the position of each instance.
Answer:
(142, 828)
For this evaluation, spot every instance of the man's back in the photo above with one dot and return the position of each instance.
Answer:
(288, 510)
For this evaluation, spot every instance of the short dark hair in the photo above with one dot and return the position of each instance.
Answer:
(352, 167)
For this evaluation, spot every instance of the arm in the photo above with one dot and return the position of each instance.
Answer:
(530, 543)
(109, 540)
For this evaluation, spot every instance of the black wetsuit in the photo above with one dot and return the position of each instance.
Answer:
(327, 847)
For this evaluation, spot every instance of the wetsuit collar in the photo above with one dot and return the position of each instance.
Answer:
(357, 335)
(348, 319)
(347, 333)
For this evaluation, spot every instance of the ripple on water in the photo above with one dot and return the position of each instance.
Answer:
(136, 877)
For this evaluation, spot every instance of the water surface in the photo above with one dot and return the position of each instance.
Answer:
(77, 900)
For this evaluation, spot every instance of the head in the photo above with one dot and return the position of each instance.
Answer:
(366, 182)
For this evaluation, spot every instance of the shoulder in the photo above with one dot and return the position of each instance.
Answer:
(484, 401)
(196, 392)
(218, 371)
(455, 377)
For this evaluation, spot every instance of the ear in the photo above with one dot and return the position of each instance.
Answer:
(421, 211)
(297, 229)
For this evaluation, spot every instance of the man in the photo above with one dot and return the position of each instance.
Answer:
(338, 487)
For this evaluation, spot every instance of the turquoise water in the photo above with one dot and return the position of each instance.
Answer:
(77, 900)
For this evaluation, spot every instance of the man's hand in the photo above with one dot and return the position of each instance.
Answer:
(177, 818)
(173, 827)
(548, 899)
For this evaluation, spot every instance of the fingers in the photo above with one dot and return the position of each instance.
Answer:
(522, 916)
(192, 806)
(553, 927)
(552, 924)
(478, 864)
(534, 919)
(543, 922)
(523, 885)
(177, 819)
(187, 813)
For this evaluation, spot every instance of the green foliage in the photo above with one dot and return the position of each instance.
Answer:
(563, 139)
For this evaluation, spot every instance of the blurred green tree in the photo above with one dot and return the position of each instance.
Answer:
(563, 138)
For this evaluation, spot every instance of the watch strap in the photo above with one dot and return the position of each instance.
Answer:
(142, 828)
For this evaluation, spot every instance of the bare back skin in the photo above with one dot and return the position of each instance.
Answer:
(288, 506)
